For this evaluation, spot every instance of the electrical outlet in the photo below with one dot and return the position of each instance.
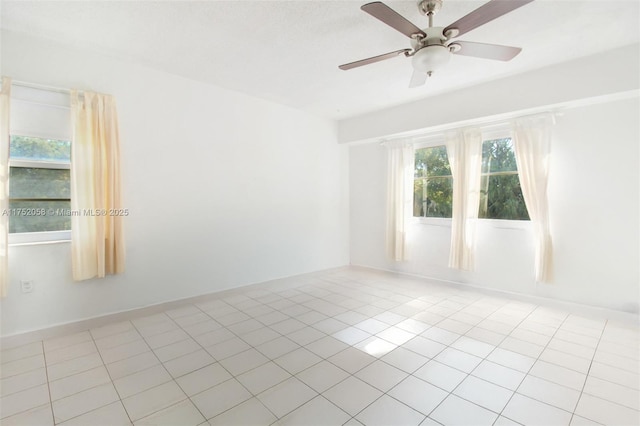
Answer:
(26, 286)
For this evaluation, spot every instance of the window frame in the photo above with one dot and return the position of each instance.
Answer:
(44, 236)
(40, 112)
(502, 132)
(433, 221)
(21, 238)
(491, 132)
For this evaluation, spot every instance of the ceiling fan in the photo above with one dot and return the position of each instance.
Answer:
(432, 47)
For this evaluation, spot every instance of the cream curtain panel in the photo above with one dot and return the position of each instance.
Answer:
(532, 145)
(399, 197)
(97, 240)
(5, 95)
(464, 149)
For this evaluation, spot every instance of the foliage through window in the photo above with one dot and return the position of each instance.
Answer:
(500, 192)
(39, 185)
(432, 183)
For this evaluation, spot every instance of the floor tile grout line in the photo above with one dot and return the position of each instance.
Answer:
(587, 374)
(111, 378)
(30, 370)
(78, 372)
(470, 373)
(486, 358)
(189, 397)
(114, 324)
(528, 373)
(630, 358)
(173, 379)
(93, 387)
(612, 382)
(28, 388)
(433, 359)
(43, 354)
(313, 389)
(46, 371)
(233, 377)
(291, 375)
(409, 375)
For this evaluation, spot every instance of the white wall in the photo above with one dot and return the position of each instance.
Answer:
(613, 71)
(594, 196)
(224, 190)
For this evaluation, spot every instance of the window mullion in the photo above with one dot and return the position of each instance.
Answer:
(503, 173)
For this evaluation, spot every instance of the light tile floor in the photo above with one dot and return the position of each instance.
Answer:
(349, 346)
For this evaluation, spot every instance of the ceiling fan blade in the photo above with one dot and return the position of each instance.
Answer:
(486, 51)
(417, 79)
(392, 18)
(485, 13)
(373, 59)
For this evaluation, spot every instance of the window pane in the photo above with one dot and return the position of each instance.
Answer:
(438, 162)
(432, 161)
(501, 198)
(28, 148)
(432, 194)
(29, 182)
(39, 216)
(421, 163)
(432, 197)
(498, 156)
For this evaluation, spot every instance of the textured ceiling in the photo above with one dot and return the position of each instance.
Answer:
(289, 51)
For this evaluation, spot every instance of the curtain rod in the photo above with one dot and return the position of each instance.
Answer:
(41, 87)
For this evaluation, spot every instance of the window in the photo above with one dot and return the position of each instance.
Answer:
(432, 184)
(39, 191)
(500, 193)
(39, 166)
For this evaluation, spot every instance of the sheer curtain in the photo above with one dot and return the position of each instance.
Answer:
(5, 94)
(97, 241)
(399, 197)
(464, 149)
(532, 144)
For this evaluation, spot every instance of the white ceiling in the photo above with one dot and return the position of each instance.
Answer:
(289, 51)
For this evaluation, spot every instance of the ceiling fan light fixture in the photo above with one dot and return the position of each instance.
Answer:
(431, 58)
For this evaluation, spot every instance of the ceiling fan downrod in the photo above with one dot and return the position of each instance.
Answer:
(429, 8)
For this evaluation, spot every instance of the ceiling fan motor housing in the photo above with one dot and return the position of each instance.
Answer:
(431, 54)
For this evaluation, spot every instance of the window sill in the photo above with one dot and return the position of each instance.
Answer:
(433, 221)
(492, 223)
(515, 225)
(32, 238)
